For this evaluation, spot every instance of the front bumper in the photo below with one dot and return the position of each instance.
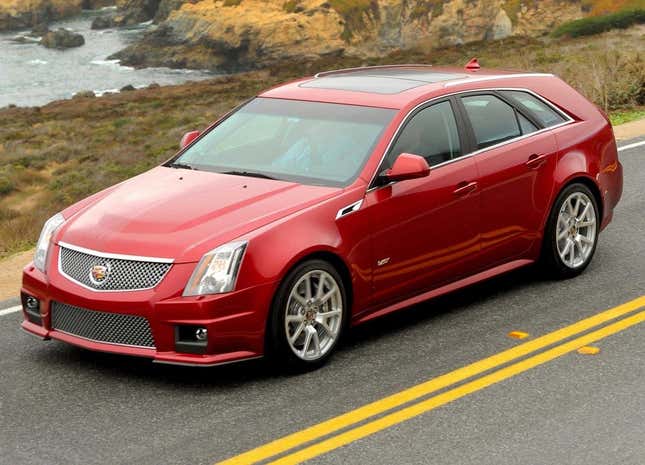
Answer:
(235, 321)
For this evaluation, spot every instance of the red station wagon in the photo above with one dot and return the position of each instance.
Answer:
(324, 203)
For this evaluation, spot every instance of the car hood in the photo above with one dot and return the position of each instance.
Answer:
(182, 214)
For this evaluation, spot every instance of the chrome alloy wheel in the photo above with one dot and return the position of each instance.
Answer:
(314, 315)
(576, 230)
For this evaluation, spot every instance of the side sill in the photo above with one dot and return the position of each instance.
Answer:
(482, 276)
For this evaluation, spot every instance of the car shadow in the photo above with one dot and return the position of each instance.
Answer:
(142, 370)
(452, 303)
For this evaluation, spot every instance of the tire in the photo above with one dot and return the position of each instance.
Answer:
(303, 333)
(571, 234)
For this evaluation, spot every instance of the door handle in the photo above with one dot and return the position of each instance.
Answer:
(465, 188)
(535, 161)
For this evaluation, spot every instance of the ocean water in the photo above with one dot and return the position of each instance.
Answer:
(32, 75)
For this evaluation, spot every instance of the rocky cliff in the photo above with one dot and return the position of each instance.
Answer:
(24, 14)
(243, 34)
(233, 35)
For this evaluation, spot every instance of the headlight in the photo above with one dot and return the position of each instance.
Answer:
(51, 225)
(217, 271)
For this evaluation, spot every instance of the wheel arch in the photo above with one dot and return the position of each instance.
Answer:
(587, 181)
(326, 255)
(548, 248)
(332, 258)
(582, 178)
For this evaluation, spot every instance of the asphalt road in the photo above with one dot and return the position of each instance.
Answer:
(63, 405)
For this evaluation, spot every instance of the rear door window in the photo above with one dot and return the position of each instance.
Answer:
(493, 120)
(525, 125)
(543, 112)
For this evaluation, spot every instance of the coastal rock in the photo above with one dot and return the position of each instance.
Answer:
(103, 22)
(136, 11)
(62, 39)
(128, 88)
(22, 14)
(96, 4)
(503, 26)
(168, 6)
(39, 30)
(233, 35)
(84, 94)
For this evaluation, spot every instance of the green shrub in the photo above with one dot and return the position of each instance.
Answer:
(597, 24)
(354, 13)
(423, 8)
(21, 176)
(625, 116)
(120, 122)
(290, 6)
(7, 214)
(7, 184)
(512, 9)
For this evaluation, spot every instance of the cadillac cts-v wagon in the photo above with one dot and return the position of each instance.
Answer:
(324, 203)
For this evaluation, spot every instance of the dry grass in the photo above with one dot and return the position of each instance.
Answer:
(55, 155)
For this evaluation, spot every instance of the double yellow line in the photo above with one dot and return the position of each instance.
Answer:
(345, 421)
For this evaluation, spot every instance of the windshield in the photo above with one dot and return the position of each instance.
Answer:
(306, 142)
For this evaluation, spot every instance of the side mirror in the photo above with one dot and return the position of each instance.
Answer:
(188, 138)
(407, 166)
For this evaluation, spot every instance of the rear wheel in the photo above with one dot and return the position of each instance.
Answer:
(308, 315)
(572, 232)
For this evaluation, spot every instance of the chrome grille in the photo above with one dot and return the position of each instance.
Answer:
(112, 328)
(122, 274)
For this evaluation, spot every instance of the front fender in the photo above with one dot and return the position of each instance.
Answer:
(275, 249)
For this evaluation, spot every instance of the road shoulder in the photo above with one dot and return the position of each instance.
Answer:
(630, 130)
(10, 275)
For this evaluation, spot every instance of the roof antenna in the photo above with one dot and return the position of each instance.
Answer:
(473, 65)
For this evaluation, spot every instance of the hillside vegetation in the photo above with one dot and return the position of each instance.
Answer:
(597, 24)
(55, 155)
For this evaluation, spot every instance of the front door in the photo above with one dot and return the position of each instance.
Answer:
(425, 231)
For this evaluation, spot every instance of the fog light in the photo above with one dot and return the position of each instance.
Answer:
(201, 334)
(191, 339)
(32, 304)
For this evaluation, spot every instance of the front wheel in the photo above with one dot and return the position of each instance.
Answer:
(308, 315)
(572, 232)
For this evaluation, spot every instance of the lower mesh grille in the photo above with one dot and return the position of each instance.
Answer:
(112, 328)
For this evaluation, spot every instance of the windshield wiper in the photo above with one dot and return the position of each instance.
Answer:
(181, 166)
(250, 174)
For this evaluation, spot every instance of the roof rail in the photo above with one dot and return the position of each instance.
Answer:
(363, 68)
(494, 78)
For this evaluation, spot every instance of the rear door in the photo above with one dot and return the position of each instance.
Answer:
(516, 159)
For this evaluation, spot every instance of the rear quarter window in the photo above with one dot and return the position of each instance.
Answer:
(543, 112)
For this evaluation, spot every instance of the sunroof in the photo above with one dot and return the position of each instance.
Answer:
(371, 84)
(380, 81)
